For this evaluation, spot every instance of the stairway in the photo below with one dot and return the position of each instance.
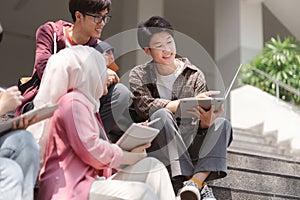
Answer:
(254, 141)
(259, 168)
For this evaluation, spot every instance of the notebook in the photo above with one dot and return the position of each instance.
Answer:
(42, 113)
(187, 104)
(137, 135)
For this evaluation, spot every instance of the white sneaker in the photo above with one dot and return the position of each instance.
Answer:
(206, 193)
(189, 191)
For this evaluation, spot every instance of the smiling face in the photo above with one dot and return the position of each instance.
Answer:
(162, 49)
(88, 26)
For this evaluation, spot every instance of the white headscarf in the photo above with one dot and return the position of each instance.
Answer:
(79, 67)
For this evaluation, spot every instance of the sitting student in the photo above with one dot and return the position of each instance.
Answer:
(19, 153)
(49, 95)
(75, 155)
(194, 151)
(90, 18)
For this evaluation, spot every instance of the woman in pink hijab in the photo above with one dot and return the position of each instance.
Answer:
(77, 162)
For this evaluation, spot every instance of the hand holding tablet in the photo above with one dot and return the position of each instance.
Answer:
(187, 104)
(41, 113)
(204, 100)
(137, 135)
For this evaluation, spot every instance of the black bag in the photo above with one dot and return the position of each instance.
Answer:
(29, 90)
(33, 81)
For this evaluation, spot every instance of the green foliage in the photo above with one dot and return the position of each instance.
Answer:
(280, 60)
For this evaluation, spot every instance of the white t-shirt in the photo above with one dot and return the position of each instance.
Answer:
(165, 83)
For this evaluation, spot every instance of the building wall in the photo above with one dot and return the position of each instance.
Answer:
(193, 18)
(272, 26)
(20, 19)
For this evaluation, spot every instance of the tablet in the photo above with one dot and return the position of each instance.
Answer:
(137, 135)
(42, 113)
(187, 104)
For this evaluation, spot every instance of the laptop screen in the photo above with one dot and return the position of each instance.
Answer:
(232, 82)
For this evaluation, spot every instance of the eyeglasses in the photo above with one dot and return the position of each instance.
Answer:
(99, 19)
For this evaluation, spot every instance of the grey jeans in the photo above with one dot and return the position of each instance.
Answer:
(20, 152)
(114, 111)
(185, 152)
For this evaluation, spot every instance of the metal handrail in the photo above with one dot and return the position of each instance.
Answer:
(278, 83)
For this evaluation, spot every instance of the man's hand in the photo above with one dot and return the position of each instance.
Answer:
(207, 118)
(112, 77)
(172, 105)
(10, 99)
(207, 93)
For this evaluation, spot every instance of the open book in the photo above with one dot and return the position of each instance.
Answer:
(42, 113)
(137, 135)
(187, 104)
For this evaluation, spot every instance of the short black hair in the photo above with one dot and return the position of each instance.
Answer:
(91, 6)
(147, 29)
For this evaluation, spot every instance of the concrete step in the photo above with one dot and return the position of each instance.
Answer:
(224, 193)
(253, 138)
(254, 141)
(263, 164)
(296, 154)
(270, 137)
(264, 184)
(256, 129)
(261, 153)
(244, 136)
(258, 177)
(254, 147)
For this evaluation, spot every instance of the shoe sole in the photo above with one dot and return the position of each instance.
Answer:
(188, 195)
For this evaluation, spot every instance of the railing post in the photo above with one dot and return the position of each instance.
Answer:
(277, 90)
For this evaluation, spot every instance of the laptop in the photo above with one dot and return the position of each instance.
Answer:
(187, 104)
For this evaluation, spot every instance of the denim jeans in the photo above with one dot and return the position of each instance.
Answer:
(20, 147)
(11, 180)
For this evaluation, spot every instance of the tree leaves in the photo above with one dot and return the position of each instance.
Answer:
(280, 59)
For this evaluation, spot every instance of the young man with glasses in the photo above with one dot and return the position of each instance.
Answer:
(90, 17)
